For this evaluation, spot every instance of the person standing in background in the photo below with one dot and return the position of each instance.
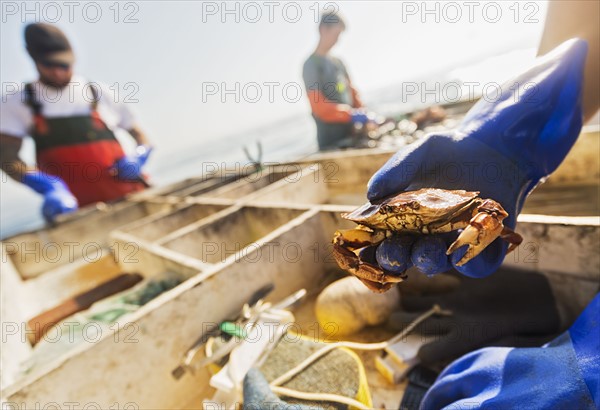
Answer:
(72, 122)
(334, 102)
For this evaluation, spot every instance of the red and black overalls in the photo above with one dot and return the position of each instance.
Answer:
(80, 150)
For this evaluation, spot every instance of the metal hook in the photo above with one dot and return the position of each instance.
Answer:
(257, 161)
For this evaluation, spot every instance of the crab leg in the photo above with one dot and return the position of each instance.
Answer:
(371, 275)
(346, 244)
(513, 238)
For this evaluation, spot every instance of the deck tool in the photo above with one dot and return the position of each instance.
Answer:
(255, 160)
(40, 324)
(189, 362)
(106, 316)
(398, 359)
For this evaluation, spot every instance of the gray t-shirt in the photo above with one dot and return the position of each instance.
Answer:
(329, 76)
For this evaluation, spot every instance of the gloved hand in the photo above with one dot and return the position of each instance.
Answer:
(560, 375)
(57, 197)
(258, 394)
(129, 168)
(510, 308)
(502, 148)
(359, 116)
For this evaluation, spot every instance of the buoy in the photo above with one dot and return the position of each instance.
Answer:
(346, 306)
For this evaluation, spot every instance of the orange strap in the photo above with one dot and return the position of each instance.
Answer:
(96, 120)
(40, 124)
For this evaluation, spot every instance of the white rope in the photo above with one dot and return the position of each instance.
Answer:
(282, 391)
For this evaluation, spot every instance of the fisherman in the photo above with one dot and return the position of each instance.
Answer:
(335, 103)
(72, 122)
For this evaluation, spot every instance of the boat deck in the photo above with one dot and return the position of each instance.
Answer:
(226, 238)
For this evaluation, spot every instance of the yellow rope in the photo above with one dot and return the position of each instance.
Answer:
(435, 310)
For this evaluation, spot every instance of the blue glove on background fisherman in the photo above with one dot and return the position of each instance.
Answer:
(57, 197)
(129, 168)
(359, 116)
(502, 148)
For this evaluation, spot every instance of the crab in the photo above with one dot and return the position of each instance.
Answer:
(426, 211)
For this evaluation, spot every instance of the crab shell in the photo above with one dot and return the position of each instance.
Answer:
(425, 211)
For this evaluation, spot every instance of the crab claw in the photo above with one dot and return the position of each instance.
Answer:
(358, 237)
(482, 230)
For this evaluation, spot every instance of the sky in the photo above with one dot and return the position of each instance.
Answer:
(196, 72)
(164, 54)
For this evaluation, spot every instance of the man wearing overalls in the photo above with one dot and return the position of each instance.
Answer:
(71, 120)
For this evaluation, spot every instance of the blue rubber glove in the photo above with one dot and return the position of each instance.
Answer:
(359, 116)
(502, 148)
(57, 197)
(563, 374)
(129, 168)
